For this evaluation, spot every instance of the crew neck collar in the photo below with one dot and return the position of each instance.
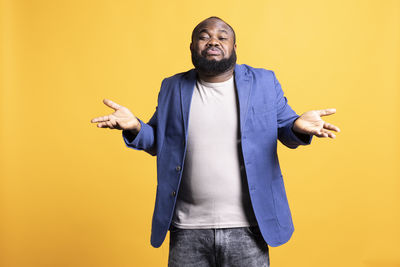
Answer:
(219, 84)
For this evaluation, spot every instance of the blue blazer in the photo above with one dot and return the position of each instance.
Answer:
(265, 117)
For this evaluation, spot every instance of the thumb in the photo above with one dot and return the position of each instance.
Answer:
(111, 104)
(327, 111)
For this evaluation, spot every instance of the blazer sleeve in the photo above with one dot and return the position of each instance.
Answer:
(285, 118)
(145, 139)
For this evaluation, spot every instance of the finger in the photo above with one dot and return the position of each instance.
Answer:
(102, 125)
(315, 132)
(109, 124)
(111, 104)
(330, 126)
(325, 112)
(328, 133)
(321, 134)
(100, 119)
(113, 121)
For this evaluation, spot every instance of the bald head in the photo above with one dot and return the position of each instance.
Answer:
(209, 20)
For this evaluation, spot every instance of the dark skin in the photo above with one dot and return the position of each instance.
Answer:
(216, 34)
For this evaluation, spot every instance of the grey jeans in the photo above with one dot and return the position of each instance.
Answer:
(240, 246)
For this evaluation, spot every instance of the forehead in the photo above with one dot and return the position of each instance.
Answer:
(213, 25)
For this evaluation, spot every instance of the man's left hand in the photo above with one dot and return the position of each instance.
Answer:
(311, 123)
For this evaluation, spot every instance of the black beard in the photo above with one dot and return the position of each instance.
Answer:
(213, 67)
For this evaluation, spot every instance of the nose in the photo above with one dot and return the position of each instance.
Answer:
(213, 42)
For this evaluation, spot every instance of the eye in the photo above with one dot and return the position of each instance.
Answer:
(223, 38)
(203, 37)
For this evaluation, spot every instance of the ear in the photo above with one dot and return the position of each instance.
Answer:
(234, 47)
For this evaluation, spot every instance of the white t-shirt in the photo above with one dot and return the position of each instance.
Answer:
(213, 192)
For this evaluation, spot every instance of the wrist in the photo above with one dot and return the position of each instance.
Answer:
(135, 129)
(294, 126)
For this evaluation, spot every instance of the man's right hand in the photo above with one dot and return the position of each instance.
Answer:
(121, 119)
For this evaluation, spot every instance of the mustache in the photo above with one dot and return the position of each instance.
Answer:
(204, 52)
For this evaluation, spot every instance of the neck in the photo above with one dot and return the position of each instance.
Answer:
(222, 77)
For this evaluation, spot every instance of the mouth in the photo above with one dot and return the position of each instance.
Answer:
(213, 52)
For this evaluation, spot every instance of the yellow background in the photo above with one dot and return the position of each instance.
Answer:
(74, 195)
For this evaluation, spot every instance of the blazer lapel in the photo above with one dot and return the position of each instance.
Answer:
(186, 92)
(243, 86)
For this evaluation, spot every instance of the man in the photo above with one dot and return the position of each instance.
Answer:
(220, 190)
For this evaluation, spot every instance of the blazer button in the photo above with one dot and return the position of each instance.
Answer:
(173, 193)
(178, 168)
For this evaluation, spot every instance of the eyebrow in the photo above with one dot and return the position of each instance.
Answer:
(205, 30)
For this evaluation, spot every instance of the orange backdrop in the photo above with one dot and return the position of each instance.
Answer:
(74, 195)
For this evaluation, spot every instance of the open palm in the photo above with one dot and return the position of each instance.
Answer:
(121, 119)
(310, 122)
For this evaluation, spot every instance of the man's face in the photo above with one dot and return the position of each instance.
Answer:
(213, 49)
